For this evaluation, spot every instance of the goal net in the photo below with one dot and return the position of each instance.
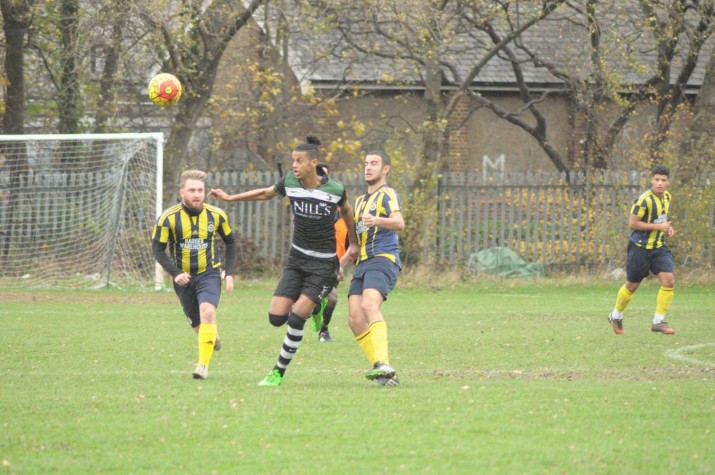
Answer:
(78, 210)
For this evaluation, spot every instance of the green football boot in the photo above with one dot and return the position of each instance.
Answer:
(317, 315)
(274, 378)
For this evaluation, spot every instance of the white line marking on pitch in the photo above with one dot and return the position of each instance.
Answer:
(677, 354)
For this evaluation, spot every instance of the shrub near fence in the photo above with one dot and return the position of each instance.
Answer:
(573, 222)
(570, 222)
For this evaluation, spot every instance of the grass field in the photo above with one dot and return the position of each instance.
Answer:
(497, 377)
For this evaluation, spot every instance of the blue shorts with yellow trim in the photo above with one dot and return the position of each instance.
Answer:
(378, 273)
(204, 287)
(641, 261)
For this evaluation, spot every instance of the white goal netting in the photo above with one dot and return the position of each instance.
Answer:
(78, 210)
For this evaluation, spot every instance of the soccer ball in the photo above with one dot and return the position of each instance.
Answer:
(164, 89)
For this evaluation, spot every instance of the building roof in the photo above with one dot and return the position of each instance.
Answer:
(324, 58)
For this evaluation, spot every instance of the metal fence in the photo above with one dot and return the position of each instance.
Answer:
(575, 222)
(571, 222)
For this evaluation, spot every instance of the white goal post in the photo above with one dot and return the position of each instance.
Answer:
(77, 210)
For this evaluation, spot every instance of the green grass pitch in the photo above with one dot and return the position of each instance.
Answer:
(497, 377)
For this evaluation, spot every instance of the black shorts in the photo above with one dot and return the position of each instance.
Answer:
(378, 273)
(641, 261)
(204, 287)
(309, 276)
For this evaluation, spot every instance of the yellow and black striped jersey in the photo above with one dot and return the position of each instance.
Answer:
(191, 236)
(650, 208)
(376, 241)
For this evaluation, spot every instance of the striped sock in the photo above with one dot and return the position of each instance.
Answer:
(294, 335)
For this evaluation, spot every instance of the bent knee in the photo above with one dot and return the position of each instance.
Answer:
(277, 320)
(667, 280)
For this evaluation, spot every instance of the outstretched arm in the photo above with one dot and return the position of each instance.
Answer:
(259, 194)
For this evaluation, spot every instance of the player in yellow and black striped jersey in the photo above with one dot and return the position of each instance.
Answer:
(378, 219)
(647, 251)
(189, 230)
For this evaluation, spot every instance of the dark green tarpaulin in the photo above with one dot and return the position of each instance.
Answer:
(503, 262)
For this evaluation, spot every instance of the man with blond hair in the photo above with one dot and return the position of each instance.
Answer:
(189, 230)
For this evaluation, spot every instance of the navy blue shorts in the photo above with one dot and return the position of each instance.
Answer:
(641, 261)
(309, 276)
(378, 273)
(204, 287)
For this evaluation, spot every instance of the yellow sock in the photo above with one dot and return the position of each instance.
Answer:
(663, 300)
(365, 341)
(379, 341)
(623, 299)
(207, 337)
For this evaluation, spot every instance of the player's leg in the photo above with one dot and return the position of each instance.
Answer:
(636, 271)
(208, 294)
(356, 318)
(317, 315)
(316, 281)
(207, 334)
(286, 293)
(190, 304)
(370, 304)
(331, 302)
(217, 343)
(379, 280)
(663, 267)
(279, 313)
(279, 309)
(291, 341)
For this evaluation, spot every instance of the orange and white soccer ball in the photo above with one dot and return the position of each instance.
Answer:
(164, 89)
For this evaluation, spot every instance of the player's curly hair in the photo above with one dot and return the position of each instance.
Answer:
(311, 146)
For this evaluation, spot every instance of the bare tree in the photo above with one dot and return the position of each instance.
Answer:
(69, 86)
(195, 41)
(444, 45)
(640, 53)
(697, 147)
(111, 52)
(17, 17)
(436, 45)
(614, 60)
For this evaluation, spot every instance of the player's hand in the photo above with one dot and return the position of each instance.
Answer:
(341, 274)
(670, 231)
(344, 262)
(182, 279)
(664, 227)
(368, 219)
(218, 193)
(229, 283)
(350, 255)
